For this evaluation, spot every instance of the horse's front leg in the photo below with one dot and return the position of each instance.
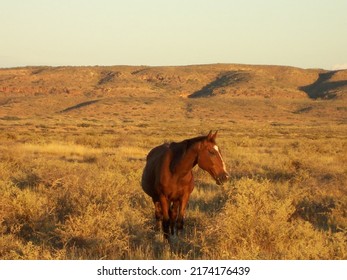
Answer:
(173, 215)
(182, 212)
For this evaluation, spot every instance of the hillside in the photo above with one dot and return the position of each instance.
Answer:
(187, 81)
(128, 94)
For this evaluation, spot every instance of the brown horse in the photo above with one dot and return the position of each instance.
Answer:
(168, 177)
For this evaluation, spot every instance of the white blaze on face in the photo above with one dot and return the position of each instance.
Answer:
(215, 147)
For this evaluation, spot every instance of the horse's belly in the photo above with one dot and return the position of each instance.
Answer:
(148, 181)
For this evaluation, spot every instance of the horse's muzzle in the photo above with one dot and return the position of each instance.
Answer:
(222, 178)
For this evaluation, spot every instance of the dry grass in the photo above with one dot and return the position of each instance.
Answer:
(70, 182)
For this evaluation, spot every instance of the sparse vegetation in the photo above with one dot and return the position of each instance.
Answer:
(70, 182)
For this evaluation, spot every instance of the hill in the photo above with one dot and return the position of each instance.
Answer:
(187, 81)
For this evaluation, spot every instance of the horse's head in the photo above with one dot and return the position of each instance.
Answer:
(210, 159)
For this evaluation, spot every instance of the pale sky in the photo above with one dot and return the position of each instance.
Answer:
(302, 33)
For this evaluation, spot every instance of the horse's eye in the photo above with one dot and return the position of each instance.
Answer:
(211, 152)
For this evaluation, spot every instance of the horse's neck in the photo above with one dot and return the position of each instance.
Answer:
(187, 162)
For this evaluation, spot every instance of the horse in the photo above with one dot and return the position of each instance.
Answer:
(168, 178)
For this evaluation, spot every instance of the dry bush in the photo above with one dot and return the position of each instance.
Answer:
(75, 209)
(255, 224)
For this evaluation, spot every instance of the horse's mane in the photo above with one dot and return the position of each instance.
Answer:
(180, 148)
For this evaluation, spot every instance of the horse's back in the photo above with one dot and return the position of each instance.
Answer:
(151, 170)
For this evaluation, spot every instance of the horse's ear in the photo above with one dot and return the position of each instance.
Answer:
(209, 136)
(215, 135)
(212, 137)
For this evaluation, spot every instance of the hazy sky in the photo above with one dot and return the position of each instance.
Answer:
(303, 33)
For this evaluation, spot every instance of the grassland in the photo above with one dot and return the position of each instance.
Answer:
(70, 179)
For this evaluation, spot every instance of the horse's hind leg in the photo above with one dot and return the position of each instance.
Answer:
(158, 214)
(165, 204)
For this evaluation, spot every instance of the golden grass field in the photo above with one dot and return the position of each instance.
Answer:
(70, 179)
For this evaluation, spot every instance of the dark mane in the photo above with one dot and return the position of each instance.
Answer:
(179, 149)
